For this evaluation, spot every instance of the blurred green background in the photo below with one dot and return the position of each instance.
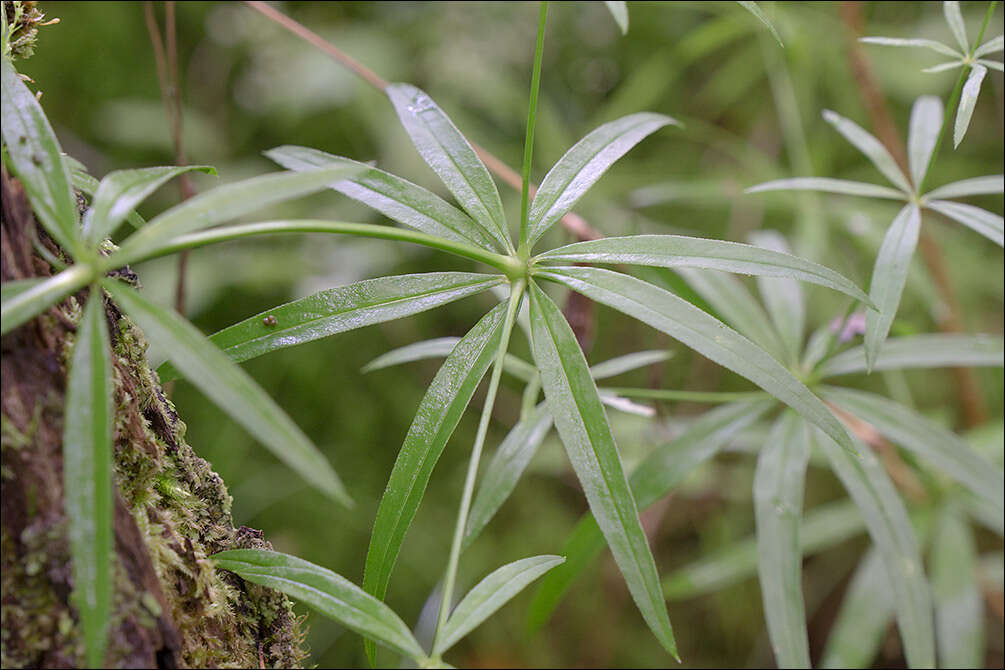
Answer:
(752, 113)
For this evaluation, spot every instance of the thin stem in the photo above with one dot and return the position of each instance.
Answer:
(508, 265)
(528, 145)
(955, 97)
(688, 396)
(450, 577)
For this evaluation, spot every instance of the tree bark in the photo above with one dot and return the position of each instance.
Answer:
(171, 608)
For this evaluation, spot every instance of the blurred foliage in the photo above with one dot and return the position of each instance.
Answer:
(752, 113)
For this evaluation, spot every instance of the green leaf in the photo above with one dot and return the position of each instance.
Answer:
(959, 606)
(921, 351)
(822, 528)
(490, 594)
(392, 196)
(984, 222)
(992, 45)
(12, 289)
(778, 507)
(25, 300)
(326, 592)
(230, 388)
(88, 185)
(763, 18)
(451, 157)
(733, 302)
(674, 251)
(435, 419)
(968, 100)
(783, 297)
(37, 159)
(582, 424)
(864, 617)
(871, 147)
(993, 64)
(703, 333)
(947, 452)
(121, 191)
(621, 364)
(889, 276)
(938, 47)
(440, 348)
(890, 529)
(222, 204)
(659, 474)
(828, 185)
(926, 122)
(619, 10)
(342, 309)
(584, 164)
(955, 20)
(505, 469)
(992, 184)
(87, 475)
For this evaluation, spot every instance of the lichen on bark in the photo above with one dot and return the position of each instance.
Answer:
(172, 608)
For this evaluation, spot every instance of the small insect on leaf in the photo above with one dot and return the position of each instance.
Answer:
(270, 321)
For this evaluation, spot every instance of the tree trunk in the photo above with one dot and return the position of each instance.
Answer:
(171, 608)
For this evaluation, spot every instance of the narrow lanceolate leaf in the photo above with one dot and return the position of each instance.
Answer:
(439, 347)
(947, 452)
(324, 591)
(731, 301)
(451, 157)
(435, 419)
(392, 196)
(28, 298)
(505, 469)
(828, 185)
(224, 203)
(938, 47)
(871, 147)
(993, 64)
(621, 364)
(822, 528)
(703, 333)
(889, 276)
(890, 529)
(783, 296)
(926, 122)
(778, 507)
(673, 251)
(665, 468)
(121, 191)
(976, 186)
(87, 475)
(955, 20)
(921, 351)
(342, 309)
(619, 10)
(490, 594)
(959, 606)
(968, 100)
(584, 164)
(986, 223)
(990, 47)
(230, 388)
(762, 17)
(582, 424)
(12, 289)
(864, 617)
(37, 159)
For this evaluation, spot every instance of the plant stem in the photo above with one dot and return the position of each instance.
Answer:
(516, 293)
(955, 98)
(528, 145)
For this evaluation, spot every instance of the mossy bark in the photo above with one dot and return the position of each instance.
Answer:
(171, 607)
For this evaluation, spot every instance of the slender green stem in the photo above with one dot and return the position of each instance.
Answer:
(688, 396)
(516, 293)
(528, 145)
(955, 98)
(508, 265)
